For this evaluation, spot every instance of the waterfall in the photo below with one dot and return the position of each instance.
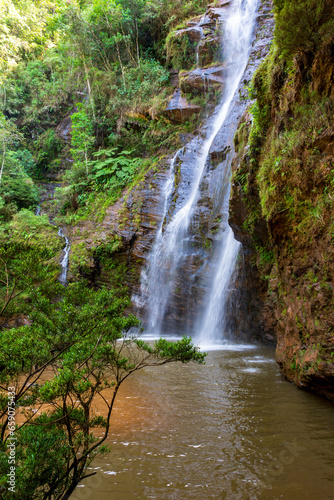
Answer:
(155, 272)
(212, 328)
(158, 280)
(64, 262)
(213, 325)
(201, 30)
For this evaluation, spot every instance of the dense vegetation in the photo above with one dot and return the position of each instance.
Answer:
(99, 69)
(101, 63)
(76, 347)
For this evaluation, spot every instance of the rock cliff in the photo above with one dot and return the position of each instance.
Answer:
(282, 209)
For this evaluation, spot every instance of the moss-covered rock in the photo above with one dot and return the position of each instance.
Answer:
(282, 208)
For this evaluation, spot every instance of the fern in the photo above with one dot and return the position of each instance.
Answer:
(114, 168)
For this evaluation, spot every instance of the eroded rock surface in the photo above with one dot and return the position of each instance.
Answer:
(200, 80)
(179, 109)
(289, 254)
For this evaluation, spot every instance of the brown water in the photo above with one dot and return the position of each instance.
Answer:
(230, 429)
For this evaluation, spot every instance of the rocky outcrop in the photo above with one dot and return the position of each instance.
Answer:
(281, 210)
(209, 51)
(290, 295)
(200, 42)
(323, 71)
(179, 109)
(200, 80)
(122, 240)
(256, 304)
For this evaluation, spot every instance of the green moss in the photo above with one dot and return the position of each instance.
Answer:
(37, 231)
(80, 257)
(181, 52)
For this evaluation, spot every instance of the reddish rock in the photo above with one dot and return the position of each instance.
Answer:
(200, 80)
(294, 297)
(179, 109)
(209, 50)
(194, 34)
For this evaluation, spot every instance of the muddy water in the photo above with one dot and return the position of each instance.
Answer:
(230, 429)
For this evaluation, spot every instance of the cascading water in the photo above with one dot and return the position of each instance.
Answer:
(169, 250)
(213, 325)
(66, 250)
(200, 39)
(155, 272)
(64, 262)
(239, 30)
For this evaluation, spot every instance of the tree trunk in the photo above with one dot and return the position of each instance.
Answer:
(89, 92)
(3, 160)
(120, 62)
(137, 43)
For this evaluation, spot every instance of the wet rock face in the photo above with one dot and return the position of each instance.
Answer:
(63, 130)
(200, 42)
(200, 45)
(203, 243)
(194, 34)
(293, 298)
(125, 235)
(200, 80)
(179, 109)
(209, 50)
(291, 301)
(255, 304)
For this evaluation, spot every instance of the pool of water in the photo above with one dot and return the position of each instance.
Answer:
(230, 429)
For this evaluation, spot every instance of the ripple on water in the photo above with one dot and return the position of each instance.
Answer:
(217, 431)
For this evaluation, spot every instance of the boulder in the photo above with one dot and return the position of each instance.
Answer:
(218, 14)
(218, 155)
(193, 33)
(200, 80)
(181, 47)
(209, 50)
(221, 3)
(179, 109)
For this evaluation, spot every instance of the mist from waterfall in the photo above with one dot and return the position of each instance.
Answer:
(158, 279)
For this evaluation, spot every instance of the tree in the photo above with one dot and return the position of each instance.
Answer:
(85, 341)
(22, 30)
(27, 248)
(82, 137)
(8, 135)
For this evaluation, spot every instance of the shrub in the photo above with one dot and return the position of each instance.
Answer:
(303, 26)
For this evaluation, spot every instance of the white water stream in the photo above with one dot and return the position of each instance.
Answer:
(155, 273)
(168, 251)
(64, 262)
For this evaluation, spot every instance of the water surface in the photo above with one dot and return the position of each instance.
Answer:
(230, 429)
